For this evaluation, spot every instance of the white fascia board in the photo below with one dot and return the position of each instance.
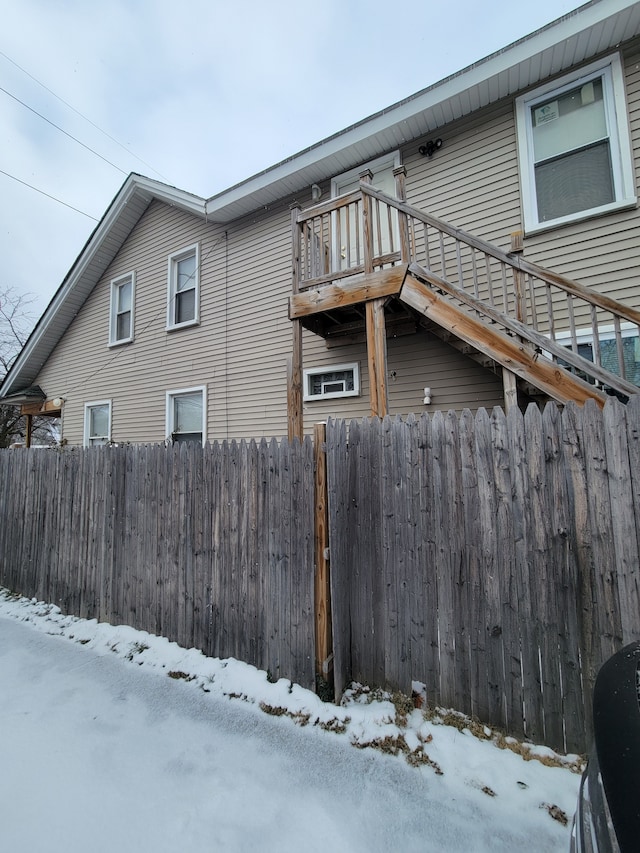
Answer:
(481, 72)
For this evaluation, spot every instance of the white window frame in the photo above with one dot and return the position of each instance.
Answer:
(615, 104)
(93, 404)
(178, 392)
(309, 372)
(172, 277)
(116, 284)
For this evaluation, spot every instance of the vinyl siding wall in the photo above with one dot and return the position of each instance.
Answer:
(240, 348)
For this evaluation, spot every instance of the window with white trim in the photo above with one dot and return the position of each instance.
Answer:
(97, 422)
(186, 414)
(609, 357)
(574, 148)
(324, 383)
(184, 288)
(122, 309)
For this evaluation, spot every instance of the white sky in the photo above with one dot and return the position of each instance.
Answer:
(205, 92)
(101, 751)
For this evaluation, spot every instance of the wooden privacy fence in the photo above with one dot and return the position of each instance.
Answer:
(211, 547)
(492, 558)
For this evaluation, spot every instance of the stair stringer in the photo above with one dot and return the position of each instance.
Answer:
(523, 359)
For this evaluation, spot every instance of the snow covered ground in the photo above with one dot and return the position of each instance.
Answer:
(115, 740)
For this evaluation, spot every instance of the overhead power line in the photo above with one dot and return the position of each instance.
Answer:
(82, 115)
(42, 192)
(44, 118)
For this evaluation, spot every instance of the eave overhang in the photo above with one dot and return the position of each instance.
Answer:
(588, 31)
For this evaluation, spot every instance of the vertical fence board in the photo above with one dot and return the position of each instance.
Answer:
(506, 569)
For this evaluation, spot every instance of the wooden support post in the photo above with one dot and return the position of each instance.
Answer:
(517, 248)
(367, 232)
(376, 332)
(295, 418)
(295, 247)
(28, 430)
(377, 357)
(510, 390)
(509, 382)
(323, 632)
(399, 173)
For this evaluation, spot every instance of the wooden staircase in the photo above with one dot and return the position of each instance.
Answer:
(366, 259)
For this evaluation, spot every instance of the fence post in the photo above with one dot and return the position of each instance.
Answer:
(324, 639)
(295, 419)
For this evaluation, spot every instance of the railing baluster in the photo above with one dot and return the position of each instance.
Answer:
(595, 336)
(505, 295)
(443, 264)
(487, 264)
(347, 229)
(550, 314)
(425, 229)
(459, 263)
(572, 323)
(392, 247)
(358, 220)
(378, 250)
(532, 302)
(474, 268)
(619, 346)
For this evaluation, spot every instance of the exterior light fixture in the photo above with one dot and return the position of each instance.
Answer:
(430, 147)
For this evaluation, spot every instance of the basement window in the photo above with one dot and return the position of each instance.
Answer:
(324, 383)
(574, 149)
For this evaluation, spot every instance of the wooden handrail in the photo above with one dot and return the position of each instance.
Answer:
(515, 261)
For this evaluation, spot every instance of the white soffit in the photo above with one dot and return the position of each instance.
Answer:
(592, 29)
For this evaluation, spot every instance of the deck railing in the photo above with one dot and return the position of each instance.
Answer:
(367, 230)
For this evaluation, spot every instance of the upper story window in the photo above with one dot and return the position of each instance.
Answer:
(186, 414)
(323, 383)
(573, 142)
(122, 309)
(184, 288)
(97, 422)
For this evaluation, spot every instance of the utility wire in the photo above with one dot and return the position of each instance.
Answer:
(71, 107)
(62, 131)
(42, 192)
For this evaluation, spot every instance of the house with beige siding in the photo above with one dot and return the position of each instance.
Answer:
(476, 244)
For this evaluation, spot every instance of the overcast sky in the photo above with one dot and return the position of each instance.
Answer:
(200, 94)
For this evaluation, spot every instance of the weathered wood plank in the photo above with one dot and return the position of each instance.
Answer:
(376, 285)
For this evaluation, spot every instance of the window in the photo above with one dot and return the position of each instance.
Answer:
(122, 305)
(186, 413)
(573, 141)
(184, 297)
(609, 349)
(323, 383)
(97, 423)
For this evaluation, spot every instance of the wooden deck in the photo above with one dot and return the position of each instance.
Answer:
(366, 265)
